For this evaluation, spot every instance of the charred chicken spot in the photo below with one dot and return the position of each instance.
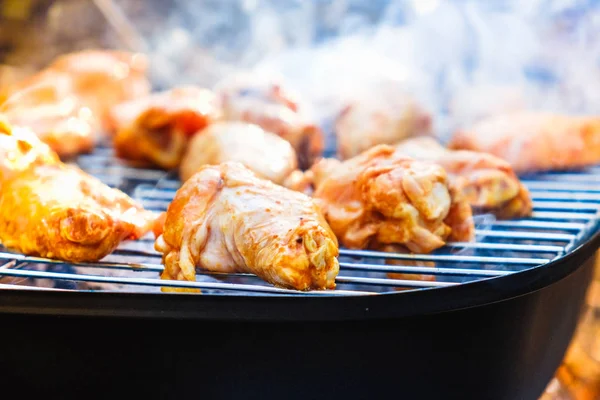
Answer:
(299, 240)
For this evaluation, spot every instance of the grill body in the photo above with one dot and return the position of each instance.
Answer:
(502, 350)
(494, 324)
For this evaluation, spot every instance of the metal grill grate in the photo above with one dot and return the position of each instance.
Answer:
(566, 212)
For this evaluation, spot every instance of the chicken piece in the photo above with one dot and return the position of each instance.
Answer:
(535, 141)
(489, 183)
(381, 115)
(264, 153)
(58, 211)
(381, 197)
(53, 210)
(267, 103)
(156, 129)
(99, 79)
(226, 219)
(51, 110)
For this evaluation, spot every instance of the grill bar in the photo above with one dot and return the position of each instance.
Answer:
(178, 284)
(446, 258)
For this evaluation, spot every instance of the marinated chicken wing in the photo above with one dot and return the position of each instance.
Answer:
(489, 183)
(382, 115)
(268, 104)
(99, 78)
(226, 219)
(53, 210)
(264, 153)
(157, 129)
(381, 197)
(51, 110)
(535, 141)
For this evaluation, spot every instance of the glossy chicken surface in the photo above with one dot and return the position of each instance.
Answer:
(489, 183)
(156, 129)
(268, 104)
(57, 211)
(226, 219)
(380, 198)
(535, 141)
(381, 117)
(55, 114)
(99, 78)
(264, 153)
(20, 149)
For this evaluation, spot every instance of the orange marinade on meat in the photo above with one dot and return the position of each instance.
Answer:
(99, 79)
(226, 219)
(66, 104)
(156, 129)
(380, 197)
(53, 210)
(488, 182)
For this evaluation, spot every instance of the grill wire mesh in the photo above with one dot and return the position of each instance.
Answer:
(566, 213)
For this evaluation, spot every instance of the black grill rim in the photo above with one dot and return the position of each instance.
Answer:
(297, 308)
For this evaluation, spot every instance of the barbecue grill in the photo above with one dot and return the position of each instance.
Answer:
(493, 323)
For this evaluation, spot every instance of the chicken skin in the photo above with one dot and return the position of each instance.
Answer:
(52, 210)
(489, 183)
(98, 79)
(387, 119)
(156, 130)
(226, 219)
(51, 110)
(380, 197)
(265, 102)
(264, 153)
(535, 141)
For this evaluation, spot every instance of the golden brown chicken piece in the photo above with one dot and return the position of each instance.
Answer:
(53, 210)
(157, 129)
(380, 197)
(264, 153)
(51, 110)
(226, 219)
(268, 104)
(489, 183)
(58, 211)
(383, 116)
(99, 79)
(535, 141)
